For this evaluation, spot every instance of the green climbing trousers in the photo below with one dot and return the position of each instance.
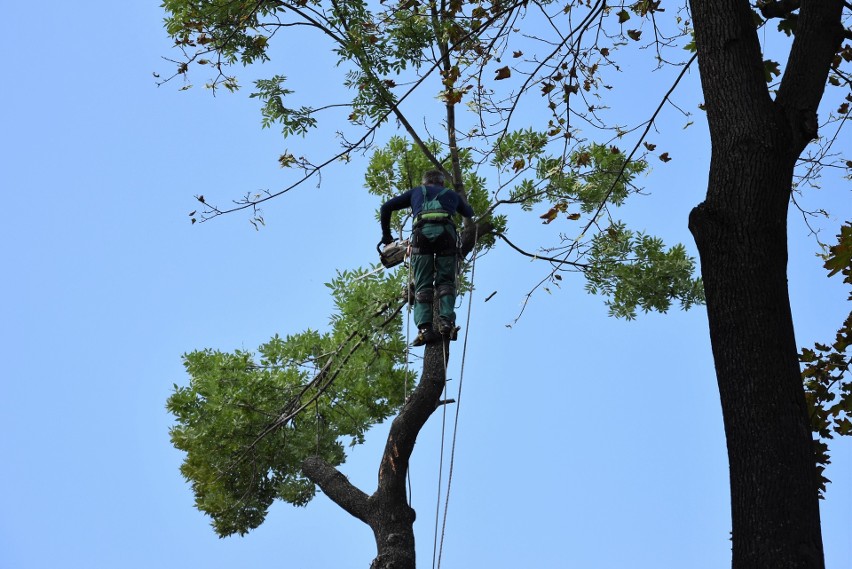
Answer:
(434, 273)
(433, 264)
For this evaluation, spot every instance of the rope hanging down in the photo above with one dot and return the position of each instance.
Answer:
(408, 297)
(443, 435)
(458, 408)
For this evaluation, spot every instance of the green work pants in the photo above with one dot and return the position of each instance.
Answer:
(435, 274)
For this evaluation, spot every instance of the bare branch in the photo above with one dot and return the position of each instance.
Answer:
(337, 487)
(818, 35)
(537, 257)
(598, 9)
(648, 126)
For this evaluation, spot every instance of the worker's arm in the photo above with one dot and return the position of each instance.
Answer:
(396, 203)
(464, 208)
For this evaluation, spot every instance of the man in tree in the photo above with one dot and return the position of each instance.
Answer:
(759, 128)
(434, 251)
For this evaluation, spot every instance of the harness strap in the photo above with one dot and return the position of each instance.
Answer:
(433, 216)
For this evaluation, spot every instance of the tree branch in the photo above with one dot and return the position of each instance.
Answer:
(337, 487)
(450, 105)
(541, 257)
(819, 33)
(393, 108)
(779, 8)
(367, 67)
(295, 406)
(629, 158)
(472, 232)
(596, 10)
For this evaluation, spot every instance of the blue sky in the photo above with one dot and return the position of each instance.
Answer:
(583, 441)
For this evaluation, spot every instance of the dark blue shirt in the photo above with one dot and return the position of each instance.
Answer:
(413, 198)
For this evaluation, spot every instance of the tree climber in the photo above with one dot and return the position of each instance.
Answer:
(434, 251)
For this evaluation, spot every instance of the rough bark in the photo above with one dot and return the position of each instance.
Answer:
(741, 234)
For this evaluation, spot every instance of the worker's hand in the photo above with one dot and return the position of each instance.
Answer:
(387, 239)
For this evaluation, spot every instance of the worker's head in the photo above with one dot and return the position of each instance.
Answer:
(433, 178)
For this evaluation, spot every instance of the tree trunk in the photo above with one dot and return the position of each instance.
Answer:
(774, 504)
(393, 527)
(741, 234)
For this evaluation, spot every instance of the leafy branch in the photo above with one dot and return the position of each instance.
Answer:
(827, 367)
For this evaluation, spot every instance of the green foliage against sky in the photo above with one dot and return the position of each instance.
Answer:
(633, 270)
(827, 367)
(121, 287)
(247, 421)
(385, 51)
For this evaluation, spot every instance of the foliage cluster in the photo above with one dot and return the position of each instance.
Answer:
(633, 270)
(827, 368)
(387, 50)
(398, 166)
(247, 421)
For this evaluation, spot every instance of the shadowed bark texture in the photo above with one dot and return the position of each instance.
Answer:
(741, 233)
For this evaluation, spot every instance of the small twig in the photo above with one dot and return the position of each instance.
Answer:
(540, 257)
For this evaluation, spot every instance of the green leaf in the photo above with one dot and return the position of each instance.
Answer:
(236, 463)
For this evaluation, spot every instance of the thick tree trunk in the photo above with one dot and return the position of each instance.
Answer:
(392, 523)
(741, 233)
(775, 511)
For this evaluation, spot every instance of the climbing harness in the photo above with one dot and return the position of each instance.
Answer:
(433, 229)
(432, 210)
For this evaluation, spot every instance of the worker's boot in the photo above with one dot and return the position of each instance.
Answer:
(425, 335)
(448, 328)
